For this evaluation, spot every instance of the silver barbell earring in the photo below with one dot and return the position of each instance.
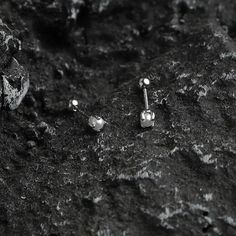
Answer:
(97, 123)
(147, 117)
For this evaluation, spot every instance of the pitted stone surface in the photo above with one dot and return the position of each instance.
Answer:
(15, 85)
(9, 45)
(14, 80)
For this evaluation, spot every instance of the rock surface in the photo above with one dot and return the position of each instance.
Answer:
(14, 80)
(9, 45)
(179, 178)
(15, 85)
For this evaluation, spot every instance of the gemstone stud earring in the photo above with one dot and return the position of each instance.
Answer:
(95, 122)
(147, 117)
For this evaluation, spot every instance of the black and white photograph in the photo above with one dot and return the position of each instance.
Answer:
(117, 117)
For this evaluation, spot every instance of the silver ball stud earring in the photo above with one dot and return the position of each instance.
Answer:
(147, 117)
(95, 122)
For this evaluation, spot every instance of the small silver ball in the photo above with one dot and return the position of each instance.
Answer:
(144, 83)
(73, 104)
(147, 119)
(96, 123)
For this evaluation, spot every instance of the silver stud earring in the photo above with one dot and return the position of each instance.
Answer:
(95, 122)
(147, 117)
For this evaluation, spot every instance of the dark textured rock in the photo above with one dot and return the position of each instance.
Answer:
(15, 85)
(14, 79)
(59, 178)
(9, 45)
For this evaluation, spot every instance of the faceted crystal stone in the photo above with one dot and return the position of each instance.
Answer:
(96, 123)
(147, 119)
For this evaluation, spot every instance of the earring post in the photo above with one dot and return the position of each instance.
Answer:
(145, 98)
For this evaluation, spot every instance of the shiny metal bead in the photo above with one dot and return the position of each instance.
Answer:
(144, 83)
(96, 123)
(73, 104)
(147, 119)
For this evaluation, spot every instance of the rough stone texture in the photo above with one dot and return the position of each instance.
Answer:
(14, 80)
(15, 85)
(58, 178)
(9, 45)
